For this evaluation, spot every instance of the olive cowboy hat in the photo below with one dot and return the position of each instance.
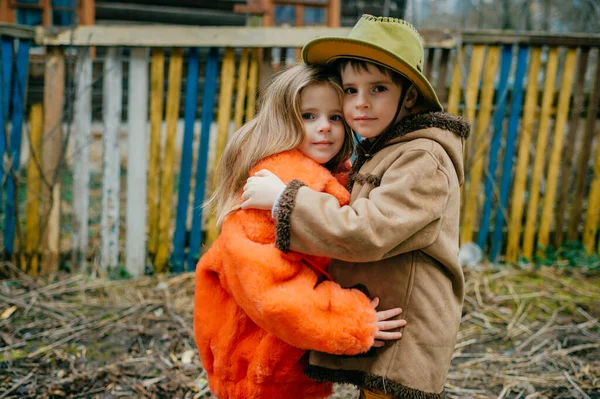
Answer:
(390, 42)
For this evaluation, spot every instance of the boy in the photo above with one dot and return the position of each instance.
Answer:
(399, 236)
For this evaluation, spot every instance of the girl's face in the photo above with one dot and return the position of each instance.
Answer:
(321, 111)
(370, 100)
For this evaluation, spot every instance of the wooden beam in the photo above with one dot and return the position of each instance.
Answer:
(202, 36)
(530, 38)
(16, 31)
(87, 12)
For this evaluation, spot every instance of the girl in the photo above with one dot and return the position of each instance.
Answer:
(257, 310)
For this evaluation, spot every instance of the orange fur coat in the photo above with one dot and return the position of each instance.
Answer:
(257, 310)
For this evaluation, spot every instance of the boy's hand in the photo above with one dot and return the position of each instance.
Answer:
(261, 190)
(384, 324)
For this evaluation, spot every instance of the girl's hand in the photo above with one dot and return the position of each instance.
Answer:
(261, 190)
(383, 324)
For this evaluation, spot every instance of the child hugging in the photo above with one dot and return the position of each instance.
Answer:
(257, 309)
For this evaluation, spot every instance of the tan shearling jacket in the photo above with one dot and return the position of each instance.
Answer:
(399, 237)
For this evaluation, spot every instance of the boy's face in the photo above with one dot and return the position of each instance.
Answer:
(370, 100)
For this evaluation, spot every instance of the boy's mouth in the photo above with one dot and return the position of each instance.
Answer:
(364, 119)
(323, 142)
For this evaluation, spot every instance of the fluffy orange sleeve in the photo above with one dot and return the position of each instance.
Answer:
(282, 296)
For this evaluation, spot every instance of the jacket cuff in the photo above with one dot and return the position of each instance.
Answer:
(286, 203)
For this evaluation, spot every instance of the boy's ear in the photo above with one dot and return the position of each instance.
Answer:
(412, 95)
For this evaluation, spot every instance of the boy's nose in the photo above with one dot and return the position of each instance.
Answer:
(362, 101)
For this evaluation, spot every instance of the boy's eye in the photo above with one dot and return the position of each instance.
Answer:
(336, 118)
(379, 88)
(308, 116)
(349, 90)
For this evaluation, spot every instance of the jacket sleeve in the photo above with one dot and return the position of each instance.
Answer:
(282, 296)
(411, 199)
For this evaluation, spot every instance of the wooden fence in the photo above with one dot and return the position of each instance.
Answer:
(533, 159)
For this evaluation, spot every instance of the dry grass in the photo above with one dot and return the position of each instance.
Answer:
(525, 334)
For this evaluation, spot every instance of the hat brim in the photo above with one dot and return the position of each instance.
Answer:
(328, 49)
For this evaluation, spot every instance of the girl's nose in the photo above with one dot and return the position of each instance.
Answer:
(325, 126)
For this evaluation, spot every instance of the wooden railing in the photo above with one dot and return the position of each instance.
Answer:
(533, 159)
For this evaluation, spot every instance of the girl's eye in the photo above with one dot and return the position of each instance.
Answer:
(308, 116)
(350, 90)
(336, 118)
(379, 89)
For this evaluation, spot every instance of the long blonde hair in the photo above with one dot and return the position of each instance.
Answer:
(277, 127)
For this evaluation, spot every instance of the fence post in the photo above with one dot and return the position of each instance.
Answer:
(168, 164)
(137, 162)
(14, 158)
(111, 177)
(54, 99)
(185, 174)
(81, 170)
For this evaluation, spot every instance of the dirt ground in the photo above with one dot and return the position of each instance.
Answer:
(525, 333)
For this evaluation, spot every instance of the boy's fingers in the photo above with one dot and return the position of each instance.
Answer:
(378, 344)
(386, 314)
(390, 325)
(375, 302)
(385, 335)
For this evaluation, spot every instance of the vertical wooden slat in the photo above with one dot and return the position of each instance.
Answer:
(208, 100)
(242, 81)
(593, 210)
(54, 98)
(455, 84)
(19, 85)
(34, 186)
(137, 162)
(5, 81)
(171, 116)
(540, 153)
(498, 132)
(333, 13)
(518, 197)
(557, 149)
(511, 138)
(185, 174)
(443, 71)
(82, 131)
(584, 157)
(157, 78)
(429, 64)
(224, 116)
(567, 166)
(252, 84)
(111, 180)
(478, 140)
(7, 13)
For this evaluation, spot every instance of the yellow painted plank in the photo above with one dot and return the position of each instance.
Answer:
(252, 84)
(157, 86)
(223, 118)
(518, 198)
(242, 81)
(34, 188)
(455, 84)
(540, 153)
(168, 164)
(480, 139)
(593, 211)
(557, 147)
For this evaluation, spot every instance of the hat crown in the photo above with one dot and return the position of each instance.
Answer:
(392, 34)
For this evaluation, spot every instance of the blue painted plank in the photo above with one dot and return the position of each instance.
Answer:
(5, 80)
(208, 101)
(501, 96)
(191, 93)
(18, 105)
(509, 151)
